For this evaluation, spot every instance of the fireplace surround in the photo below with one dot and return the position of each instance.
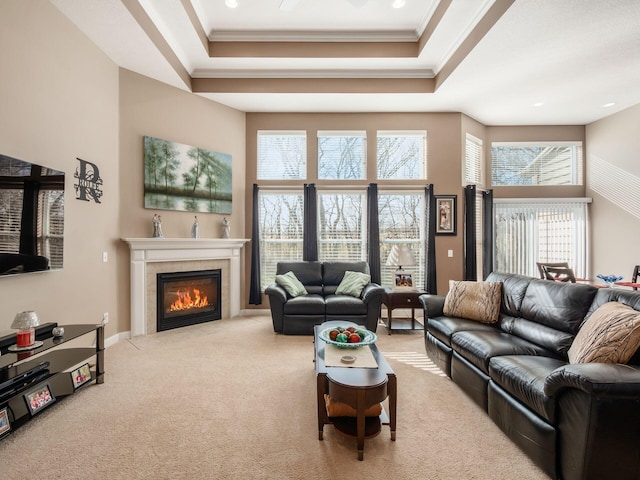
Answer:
(150, 256)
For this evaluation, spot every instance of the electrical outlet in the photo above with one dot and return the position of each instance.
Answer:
(105, 318)
(105, 257)
(450, 253)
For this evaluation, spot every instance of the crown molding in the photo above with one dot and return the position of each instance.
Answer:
(313, 36)
(319, 73)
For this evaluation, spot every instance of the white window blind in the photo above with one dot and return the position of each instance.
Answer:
(530, 231)
(341, 226)
(401, 154)
(342, 155)
(548, 163)
(282, 155)
(473, 171)
(281, 219)
(401, 221)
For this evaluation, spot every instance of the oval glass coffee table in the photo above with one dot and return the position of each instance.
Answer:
(355, 386)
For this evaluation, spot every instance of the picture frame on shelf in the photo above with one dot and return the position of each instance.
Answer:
(5, 424)
(80, 376)
(39, 398)
(447, 214)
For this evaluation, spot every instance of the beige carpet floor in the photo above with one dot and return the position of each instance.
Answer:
(232, 400)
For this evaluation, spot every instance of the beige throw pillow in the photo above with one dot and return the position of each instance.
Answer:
(474, 300)
(610, 335)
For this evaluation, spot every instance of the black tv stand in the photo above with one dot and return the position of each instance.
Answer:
(22, 372)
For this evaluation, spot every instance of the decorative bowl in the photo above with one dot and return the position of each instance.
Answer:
(610, 280)
(369, 338)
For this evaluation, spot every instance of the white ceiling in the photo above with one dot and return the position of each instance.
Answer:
(573, 56)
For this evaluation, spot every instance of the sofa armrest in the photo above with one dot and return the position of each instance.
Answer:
(595, 378)
(371, 292)
(433, 305)
(277, 298)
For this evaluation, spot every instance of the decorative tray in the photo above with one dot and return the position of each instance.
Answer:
(367, 338)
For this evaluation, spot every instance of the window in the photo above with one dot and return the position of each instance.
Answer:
(530, 231)
(282, 155)
(401, 220)
(342, 226)
(473, 171)
(342, 155)
(402, 155)
(550, 163)
(281, 218)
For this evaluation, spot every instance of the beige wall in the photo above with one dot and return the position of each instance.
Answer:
(148, 107)
(615, 231)
(59, 97)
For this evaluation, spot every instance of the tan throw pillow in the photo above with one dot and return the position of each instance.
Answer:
(339, 409)
(474, 300)
(610, 335)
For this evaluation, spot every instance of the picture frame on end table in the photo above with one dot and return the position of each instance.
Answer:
(403, 281)
(5, 424)
(39, 398)
(447, 215)
(80, 376)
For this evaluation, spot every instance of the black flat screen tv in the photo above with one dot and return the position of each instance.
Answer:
(31, 217)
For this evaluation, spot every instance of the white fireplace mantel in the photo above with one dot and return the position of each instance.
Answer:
(148, 250)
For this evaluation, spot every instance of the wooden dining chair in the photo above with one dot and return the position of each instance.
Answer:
(635, 276)
(559, 274)
(541, 266)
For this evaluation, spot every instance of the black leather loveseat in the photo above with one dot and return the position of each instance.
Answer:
(298, 315)
(574, 420)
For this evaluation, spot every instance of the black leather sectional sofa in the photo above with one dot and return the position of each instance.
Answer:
(298, 315)
(575, 421)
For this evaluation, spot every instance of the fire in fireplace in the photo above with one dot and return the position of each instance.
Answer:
(187, 298)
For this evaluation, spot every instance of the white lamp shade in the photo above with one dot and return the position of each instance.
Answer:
(401, 256)
(25, 320)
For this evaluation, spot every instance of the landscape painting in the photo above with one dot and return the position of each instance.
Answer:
(181, 177)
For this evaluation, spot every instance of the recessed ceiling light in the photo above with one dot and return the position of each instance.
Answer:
(610, 104)
(398, 3)
(538, 104)
(231, 3)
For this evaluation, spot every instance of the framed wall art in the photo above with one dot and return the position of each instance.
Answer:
(39, 398)
(446, 211)
(181, 177)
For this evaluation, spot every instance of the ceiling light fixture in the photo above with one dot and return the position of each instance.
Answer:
(610, 104)
(538, 104)
(398, 3)
(231, 3)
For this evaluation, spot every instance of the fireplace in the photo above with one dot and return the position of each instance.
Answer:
(187, 298)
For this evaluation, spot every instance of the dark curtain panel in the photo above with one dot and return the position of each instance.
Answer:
(374, 233)
(470, 257)
(430, 280)
(255, 293)
(487, 233)
(310, 224)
